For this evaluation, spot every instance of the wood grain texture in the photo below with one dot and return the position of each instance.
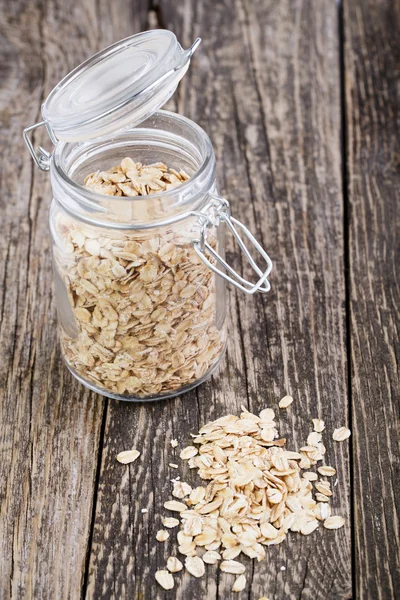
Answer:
(49, 425)
(372, 104)
(265, 85)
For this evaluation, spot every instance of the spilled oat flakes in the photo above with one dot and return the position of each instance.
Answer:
(257, 492)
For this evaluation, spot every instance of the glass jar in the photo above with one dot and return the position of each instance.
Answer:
(140, 281)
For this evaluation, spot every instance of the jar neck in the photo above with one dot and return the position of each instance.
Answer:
(164, 137)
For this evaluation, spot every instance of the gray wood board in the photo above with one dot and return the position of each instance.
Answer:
(49, 424)
(265, 85)
(372, 104)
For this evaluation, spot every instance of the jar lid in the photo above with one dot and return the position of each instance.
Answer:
(118, 87)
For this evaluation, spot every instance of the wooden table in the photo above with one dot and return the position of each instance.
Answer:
(299, 99)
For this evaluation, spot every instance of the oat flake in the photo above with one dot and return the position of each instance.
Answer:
(341, 434)
(128, 456)
(334, 522)
(240, 584)
(195, 566)
(174, 564)
(285, 402)
(175, 506)
(162, 535)
(165, 579)
(319, 425)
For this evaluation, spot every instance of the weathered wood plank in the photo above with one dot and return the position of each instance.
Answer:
(372, 103)
(265, 85)
(49, 425)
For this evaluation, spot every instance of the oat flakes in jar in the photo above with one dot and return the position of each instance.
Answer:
(138, 227)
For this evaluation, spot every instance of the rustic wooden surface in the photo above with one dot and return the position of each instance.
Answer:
(372, 57)
(298, 98)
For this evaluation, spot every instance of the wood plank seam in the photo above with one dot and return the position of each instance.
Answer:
(85, 577)
(346, 215)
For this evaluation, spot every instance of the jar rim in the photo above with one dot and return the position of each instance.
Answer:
(201, 180)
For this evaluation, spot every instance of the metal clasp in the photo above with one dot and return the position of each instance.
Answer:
(40, 156)
(221, 209)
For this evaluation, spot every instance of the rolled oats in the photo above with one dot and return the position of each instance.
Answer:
(232, 566)
(144, 303)
(192, 524)
(188, 452)
(240, 584)
(175, 506)
(285, 402)
(128, 456)
(165, 579)
(326, 471)
(214, 545)
(309, 527)
(181, 489)
(341, 434)
(334, 522)
(321, 497)
(323, 487)
(184, 538)
(195, 566)
(206, 537)
(187, 549)
(267, 415)
(255, 492)
(319, 425)
(322, 511)
(211, 557)
(231, 553)
(162, 535)
(170, 522)
(174, 564)
(135, 179)
(314, 438)
(196, 495)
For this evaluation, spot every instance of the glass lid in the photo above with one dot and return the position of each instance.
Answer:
(118, 87)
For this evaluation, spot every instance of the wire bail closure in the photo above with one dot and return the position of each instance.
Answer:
(40, 156)
(222, 212)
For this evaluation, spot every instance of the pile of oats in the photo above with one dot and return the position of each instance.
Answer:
(135, 179)
(258, 491)
(144, 303)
